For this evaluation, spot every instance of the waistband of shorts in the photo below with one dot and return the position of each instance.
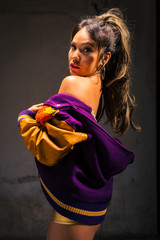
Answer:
(58, 218)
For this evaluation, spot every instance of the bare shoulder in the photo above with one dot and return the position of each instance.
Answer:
(70, 84)
(82, 88)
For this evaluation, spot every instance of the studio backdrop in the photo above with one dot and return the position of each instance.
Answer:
(34, 42)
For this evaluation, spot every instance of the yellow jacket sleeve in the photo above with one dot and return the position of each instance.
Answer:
(50, 142)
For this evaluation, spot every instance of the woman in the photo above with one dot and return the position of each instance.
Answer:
(80, 186)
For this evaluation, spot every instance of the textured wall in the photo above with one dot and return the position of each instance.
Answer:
(33, 60)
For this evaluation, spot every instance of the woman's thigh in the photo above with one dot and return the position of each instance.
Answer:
(58, 231)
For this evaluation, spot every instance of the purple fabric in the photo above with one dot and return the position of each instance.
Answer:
(86, 172)
(26, 112)
(83, 205)
(84, 178)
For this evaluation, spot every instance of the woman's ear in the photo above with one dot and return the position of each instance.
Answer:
(106, 58)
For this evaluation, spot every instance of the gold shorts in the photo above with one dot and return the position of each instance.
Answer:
(58, 218)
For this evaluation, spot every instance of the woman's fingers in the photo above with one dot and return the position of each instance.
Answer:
(36, 107)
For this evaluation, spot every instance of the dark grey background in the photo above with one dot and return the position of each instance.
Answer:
(34, 40)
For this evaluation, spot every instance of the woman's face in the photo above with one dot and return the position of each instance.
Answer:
(83, 54)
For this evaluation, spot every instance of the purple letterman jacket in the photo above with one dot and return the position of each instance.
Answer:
(80, 186)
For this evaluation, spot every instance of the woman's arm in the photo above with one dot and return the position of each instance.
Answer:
(51, 141)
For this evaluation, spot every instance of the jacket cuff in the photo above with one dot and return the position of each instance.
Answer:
(26, 113)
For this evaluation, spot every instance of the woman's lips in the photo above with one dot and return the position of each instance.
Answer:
(74, 66)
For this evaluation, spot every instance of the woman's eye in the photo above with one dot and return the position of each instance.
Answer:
(87, 49)
(73, 47)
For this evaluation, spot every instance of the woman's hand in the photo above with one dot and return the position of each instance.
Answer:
(36, 107)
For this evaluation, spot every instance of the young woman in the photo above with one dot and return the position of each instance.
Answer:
(80, 185)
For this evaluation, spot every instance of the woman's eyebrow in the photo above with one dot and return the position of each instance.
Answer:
(89, 43)
(85, 43)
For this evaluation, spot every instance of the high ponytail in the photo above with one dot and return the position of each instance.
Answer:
(120, 42)
(111, 34)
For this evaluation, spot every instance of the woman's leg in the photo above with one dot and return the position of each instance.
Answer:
(58, 231)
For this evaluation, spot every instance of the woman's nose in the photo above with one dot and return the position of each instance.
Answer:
(76, 56)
